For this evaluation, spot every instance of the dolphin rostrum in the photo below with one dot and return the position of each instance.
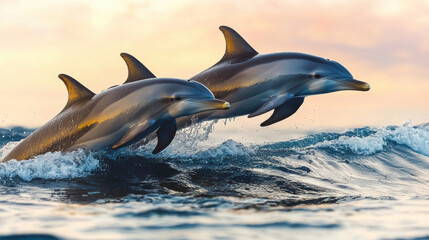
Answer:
(256, 83)
(118, 116)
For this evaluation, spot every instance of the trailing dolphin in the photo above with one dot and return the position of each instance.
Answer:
(257, 83)
(118, 116)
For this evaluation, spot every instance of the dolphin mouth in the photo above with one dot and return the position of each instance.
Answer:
(216, 104)
(213, 104)
(358, 85)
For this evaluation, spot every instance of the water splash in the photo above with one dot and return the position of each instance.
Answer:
(50, 166)
(186, 142)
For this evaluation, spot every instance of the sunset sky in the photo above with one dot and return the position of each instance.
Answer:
(385, 43)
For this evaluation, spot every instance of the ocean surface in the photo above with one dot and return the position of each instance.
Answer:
(363, 183)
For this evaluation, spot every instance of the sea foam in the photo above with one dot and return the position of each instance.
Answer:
(50, 166)
(414, 137)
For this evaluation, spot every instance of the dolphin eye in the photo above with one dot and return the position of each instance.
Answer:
(173, 99)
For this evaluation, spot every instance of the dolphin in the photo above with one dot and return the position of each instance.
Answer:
(256, 83)
(118, 116)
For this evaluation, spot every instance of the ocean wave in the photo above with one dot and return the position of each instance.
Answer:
(194, 143)
(189, 151)
(414, 137)
(80, 163)
(362, 141)
(13, 134)
(229, 148)
(50, 166)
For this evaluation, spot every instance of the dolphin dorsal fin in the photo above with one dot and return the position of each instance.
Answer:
(136, 70)
(236, 46)
(76, 90)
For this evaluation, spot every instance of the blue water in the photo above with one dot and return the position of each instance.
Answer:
(365, 183)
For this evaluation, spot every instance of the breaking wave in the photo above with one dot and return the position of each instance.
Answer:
(352, 162)
(51, 166)
(367, 141)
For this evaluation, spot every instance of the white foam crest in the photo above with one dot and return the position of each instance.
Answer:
(194, 142)
(7, 148)
(50, 166)
(415, 137)
(358, 145)
(228, 148)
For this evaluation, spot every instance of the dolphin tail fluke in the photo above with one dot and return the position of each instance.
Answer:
(236, 47)
(136, 70)
(284, 111)
(76, 91)
(165, 135)
(273, 102)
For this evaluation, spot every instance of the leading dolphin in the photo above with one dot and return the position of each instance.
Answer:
(256, 83)
(119, 115)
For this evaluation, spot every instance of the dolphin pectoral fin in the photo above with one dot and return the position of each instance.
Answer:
(236, 47)
(284, 111)
(76, 91)
(133, 132)
(272, 103)
(165, 135)
(136, 70)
